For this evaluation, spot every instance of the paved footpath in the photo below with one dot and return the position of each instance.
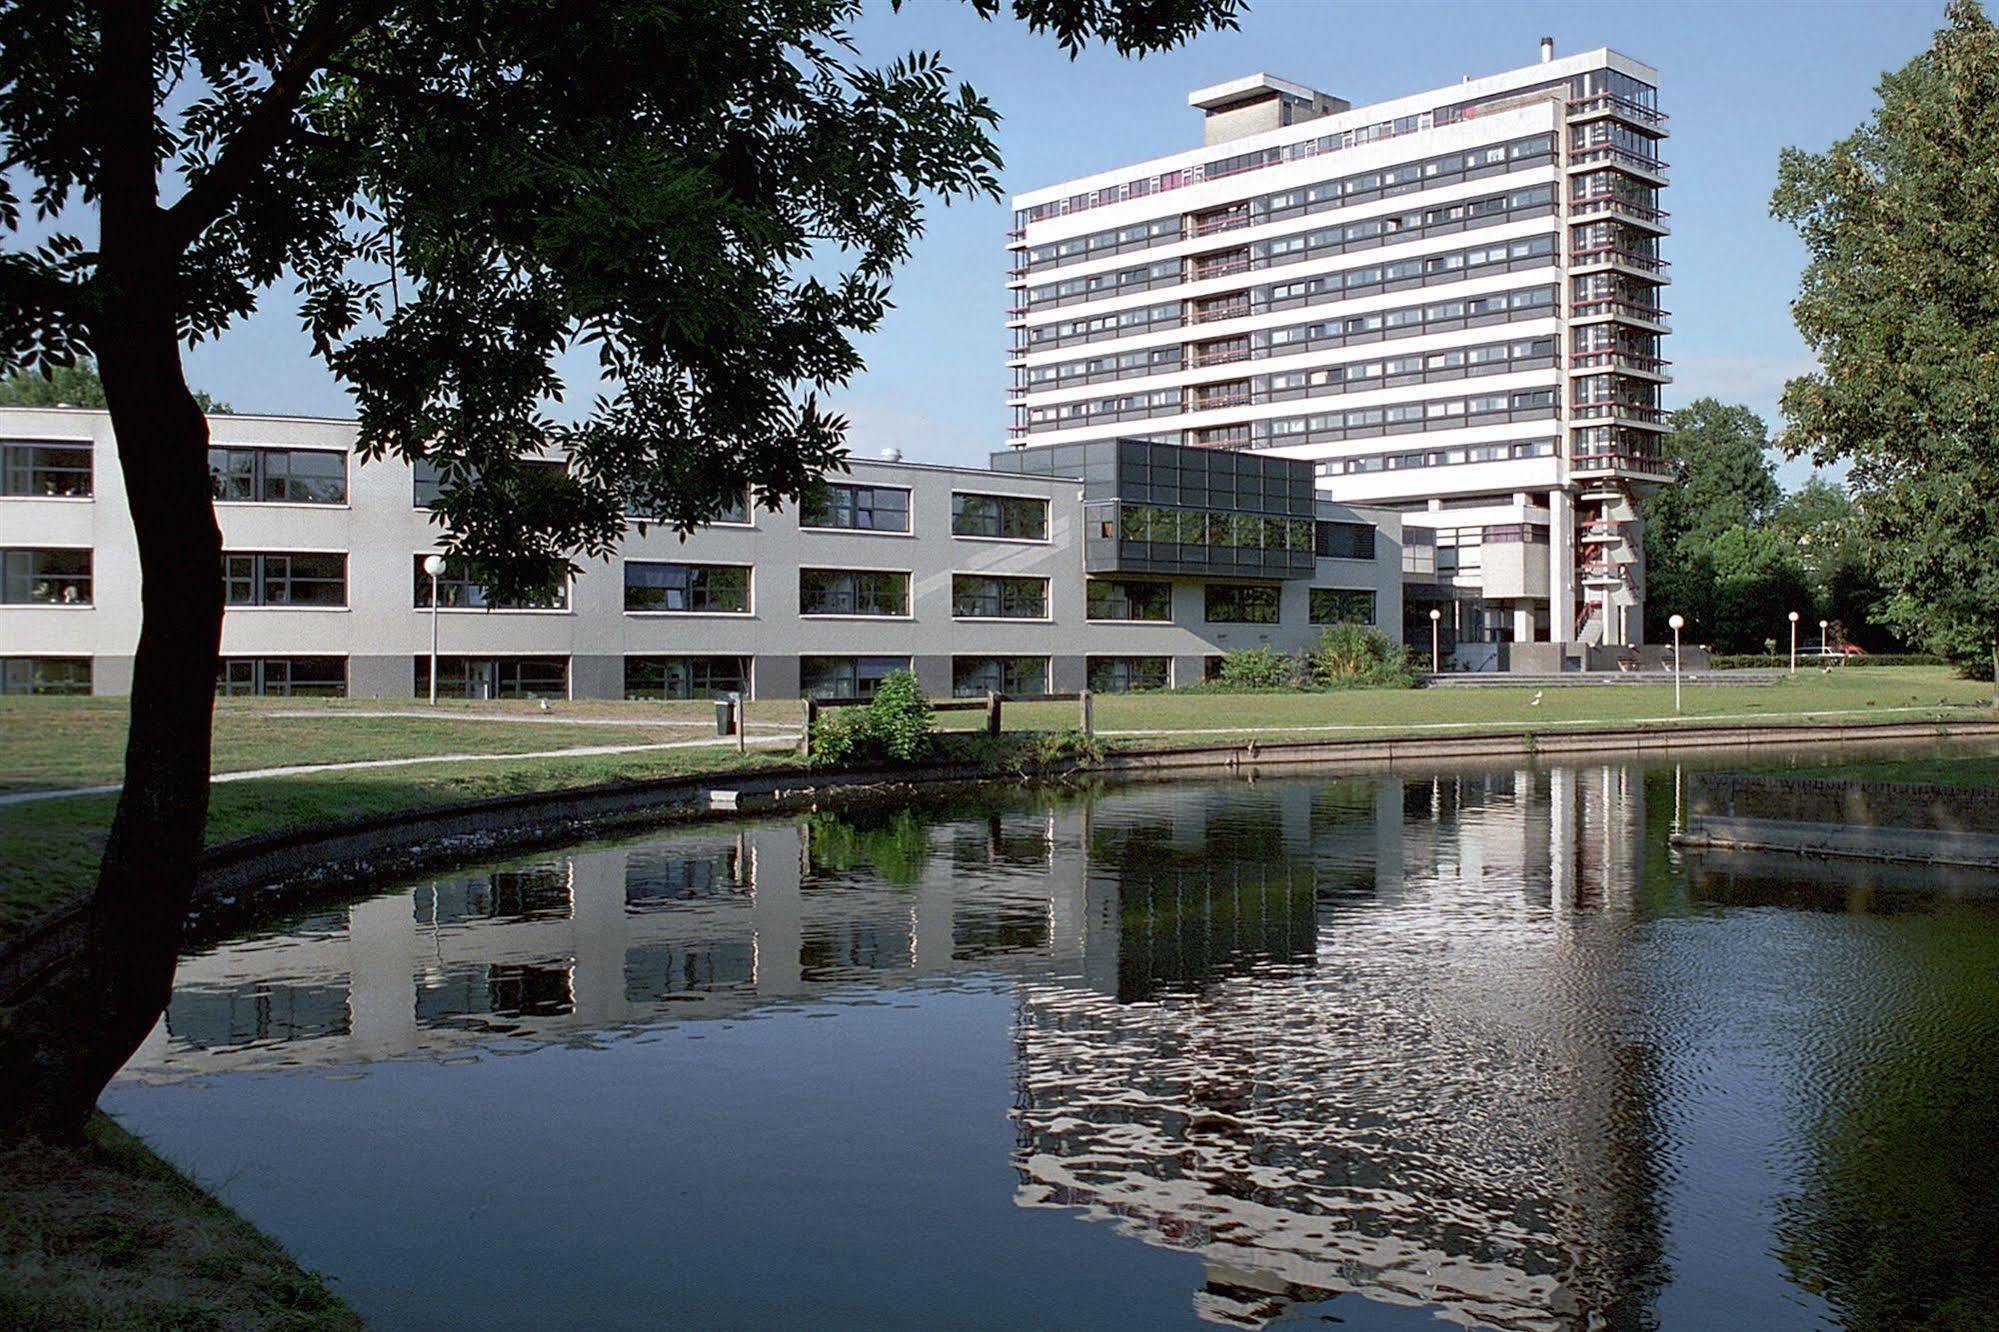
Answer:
(308, 769)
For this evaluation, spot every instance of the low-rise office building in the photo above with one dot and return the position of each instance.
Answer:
(1111, 566)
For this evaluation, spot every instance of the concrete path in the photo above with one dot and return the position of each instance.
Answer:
(308, 769)
(532, 718)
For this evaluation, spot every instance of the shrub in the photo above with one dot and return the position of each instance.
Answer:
(899, 718)
(1258, 668)
(893, 727)
(1728, 661)
(1355, 656)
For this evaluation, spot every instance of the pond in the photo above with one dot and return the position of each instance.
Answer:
(1478, 1047)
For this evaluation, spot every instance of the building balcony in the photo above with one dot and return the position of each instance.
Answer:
(1620, 413)
(1197, 360)
(1613, 205)
(1599, 155)
(1215, 313)
(1602, 534)
(1652, 369)
(1210, 226)
(1649, 318)
(1611, 258)
(1609, 106)
(1622, 465)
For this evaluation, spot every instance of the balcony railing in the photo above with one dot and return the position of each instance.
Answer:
(1208, 226)
(1233, 398)
(1619, 156)
(1611, 104)
(1622, 309)
(1616, 254)
(1588, 205)
(1215, 268)
(1616, 359)
(1611, 409)
(1209, 314)
(1623, 460)
(1218, 356)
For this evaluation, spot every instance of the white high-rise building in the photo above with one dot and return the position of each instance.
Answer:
(1448, 302)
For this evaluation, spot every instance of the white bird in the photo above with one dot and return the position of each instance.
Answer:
(544, 705)
(1535, 702)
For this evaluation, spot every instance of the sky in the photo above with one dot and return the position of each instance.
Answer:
(1740, 79)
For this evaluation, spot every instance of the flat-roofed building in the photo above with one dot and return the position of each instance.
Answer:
(1448, 303)
(976, 579)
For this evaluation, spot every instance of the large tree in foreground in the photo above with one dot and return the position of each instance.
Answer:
(1900, 301)
(709, 194)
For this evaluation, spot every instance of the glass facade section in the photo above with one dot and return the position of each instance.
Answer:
(846, 677)
(277, 476)
(686, 677)
(856, 508)
(713, 589)
(1241, 603)
(974, 677)
(989, 597)
(852, 592)
(1122, 675)
(1015, 518)
(45, 471)
(44, 675)
(1342, 605)
(458, 590)
(284, 677)
(45, 577)
(1130, 599)
(269, 578)
(495, 677)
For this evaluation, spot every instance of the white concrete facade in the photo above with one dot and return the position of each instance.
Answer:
(1447, 302)
(371, 635)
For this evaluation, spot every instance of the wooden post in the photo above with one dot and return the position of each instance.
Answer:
(1087, 729)
(992, 713)
(811, 719)
(742, 724)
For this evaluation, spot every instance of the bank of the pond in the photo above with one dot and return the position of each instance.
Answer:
(107, 1235)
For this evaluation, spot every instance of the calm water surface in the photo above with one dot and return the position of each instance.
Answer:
(1359, 1053)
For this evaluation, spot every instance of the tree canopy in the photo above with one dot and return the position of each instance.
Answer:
(1899, 300)
(77, 385)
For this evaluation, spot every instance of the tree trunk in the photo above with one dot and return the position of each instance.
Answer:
(68, 1038)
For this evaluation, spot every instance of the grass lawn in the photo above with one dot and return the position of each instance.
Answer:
(111, 1236)
(1969, 769)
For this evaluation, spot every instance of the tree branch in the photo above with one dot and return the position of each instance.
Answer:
(265, 127)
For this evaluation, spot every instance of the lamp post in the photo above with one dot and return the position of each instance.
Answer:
(434, 566)
(1436, 641)
(1823, 646)
(1794, 642)
(1678, 622)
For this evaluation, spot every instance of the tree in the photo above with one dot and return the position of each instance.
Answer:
(1822, 523)
(77, 385)
(1900, 221)
(712, 195)
(1722, 480)
(1756, 576)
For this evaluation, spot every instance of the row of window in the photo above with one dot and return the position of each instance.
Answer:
(1367, 233)
(1505, 257)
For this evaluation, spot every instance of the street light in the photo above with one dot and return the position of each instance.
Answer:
(1823, 626)
(1436, 652)
(1794, 642)
(434, 566)
(1678, 622)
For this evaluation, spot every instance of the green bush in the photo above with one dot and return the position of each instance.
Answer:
(1258, 668)
(894, 727)
(1356, 656)
(899, 718)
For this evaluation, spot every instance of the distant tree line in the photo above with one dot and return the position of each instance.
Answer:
(1726, 547)
(77, 385)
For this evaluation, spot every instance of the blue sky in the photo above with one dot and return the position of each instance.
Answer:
(1739, 80)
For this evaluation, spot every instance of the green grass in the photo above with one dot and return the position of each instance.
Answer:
(55, 742)
(107, 1235)
(1969, 770)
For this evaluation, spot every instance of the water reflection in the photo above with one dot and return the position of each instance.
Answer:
(1447, 1042)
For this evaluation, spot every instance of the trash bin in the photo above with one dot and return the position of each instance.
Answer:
(725, 715)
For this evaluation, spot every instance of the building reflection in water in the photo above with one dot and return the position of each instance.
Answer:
(1332, 1037)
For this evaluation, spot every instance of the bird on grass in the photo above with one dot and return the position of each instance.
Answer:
(1535, 701)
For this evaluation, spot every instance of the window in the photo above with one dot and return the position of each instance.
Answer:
(1241, 603)
(45, 577)
(1129, 599)
(1345, 541)
(845, 677)
(427, 483)
(713, 589)
(852, 592)
(273, 579)
(274, 476)
(44, 675)
(1121, 675)
(973, 677)
(45, 470)
(1342, 605)
(458, 590)
(284, 677)
(735, 512)
(856, 508)
(495, 677)
(1016, 518)
(686, 677)
(980, 597)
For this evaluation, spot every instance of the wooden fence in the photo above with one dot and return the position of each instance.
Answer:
(992, 705)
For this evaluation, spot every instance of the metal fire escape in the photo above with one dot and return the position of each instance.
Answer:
(1615, 279)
